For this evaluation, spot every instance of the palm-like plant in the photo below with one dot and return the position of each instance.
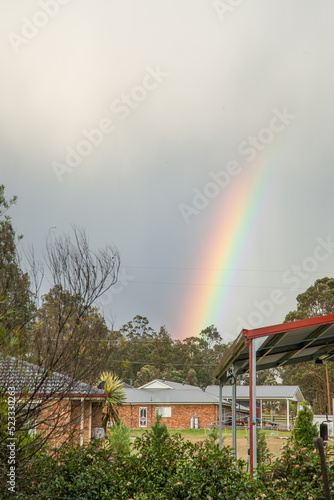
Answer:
(113, 386)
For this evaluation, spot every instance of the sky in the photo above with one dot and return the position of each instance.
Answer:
(194, 135)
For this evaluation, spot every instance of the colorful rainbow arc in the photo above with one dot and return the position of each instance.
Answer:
(229, 238)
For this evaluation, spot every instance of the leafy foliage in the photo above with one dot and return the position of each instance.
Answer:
(261, 447)
(113, 386)
(317, 300)
(158, 433)
(145, 375)
(140, 354)
(16, 300)
(191, 377)
(69, 334)
(212, 439)
(304, 430)
(118, 439)
(296, 475)
(178, 470)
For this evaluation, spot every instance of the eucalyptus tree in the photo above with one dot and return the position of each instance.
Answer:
(316, 380)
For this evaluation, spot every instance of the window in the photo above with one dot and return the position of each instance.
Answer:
(142, 417)
(164, 411)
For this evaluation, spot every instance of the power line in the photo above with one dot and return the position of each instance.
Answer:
(219, 269)
(190, 364)
(212, 285)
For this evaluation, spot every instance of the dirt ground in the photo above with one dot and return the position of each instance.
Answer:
(275, 440)
(274, 443)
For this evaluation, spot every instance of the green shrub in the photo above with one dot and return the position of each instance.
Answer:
(212, 439)
(262, 450)
(304, 431)
(158, 433)
(118, 439)
(295, 475)
(177, 470)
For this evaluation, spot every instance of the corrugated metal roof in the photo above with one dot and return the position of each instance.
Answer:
(270, 392)
(279, 345)
(178, 394)
(175, 396)
(24, 376)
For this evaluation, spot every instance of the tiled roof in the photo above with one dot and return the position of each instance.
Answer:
(24, 376)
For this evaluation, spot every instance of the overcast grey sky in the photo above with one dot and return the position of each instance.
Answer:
(152, 123)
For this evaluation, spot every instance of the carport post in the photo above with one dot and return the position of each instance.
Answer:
(220, 414)
(254, 402)
(287, 414)
(234, 414)
(252, 405)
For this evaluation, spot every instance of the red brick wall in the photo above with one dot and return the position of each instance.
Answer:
(97, 409)
(54, 421)
(63, 418)
(180, 415)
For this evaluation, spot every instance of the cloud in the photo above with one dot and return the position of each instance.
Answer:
(225, 78)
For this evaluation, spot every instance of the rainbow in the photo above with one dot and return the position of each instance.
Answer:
(240, 212)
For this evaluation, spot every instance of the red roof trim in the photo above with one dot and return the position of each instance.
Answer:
(63, 396)
(287, 327)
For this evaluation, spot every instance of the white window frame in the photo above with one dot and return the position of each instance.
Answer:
(164, 411)
(141, 418)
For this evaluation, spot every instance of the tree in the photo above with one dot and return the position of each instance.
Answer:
(140, 354)
(317, 300)
(74, 335)
(176, 376)
(116, 397)
(201, 354)
(138, 328)
(78, 277)
(211, 350)
(304, 431)
(136, 347)
(145, 375)
(68, 328)
(158, 433)
(16, 301)
(268, 377)
(162, 352)
(191, 377)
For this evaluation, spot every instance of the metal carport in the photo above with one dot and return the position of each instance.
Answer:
(286, 393)
(270, 347)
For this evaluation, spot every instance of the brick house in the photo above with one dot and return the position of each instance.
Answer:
(182, 406)
(52, 404)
